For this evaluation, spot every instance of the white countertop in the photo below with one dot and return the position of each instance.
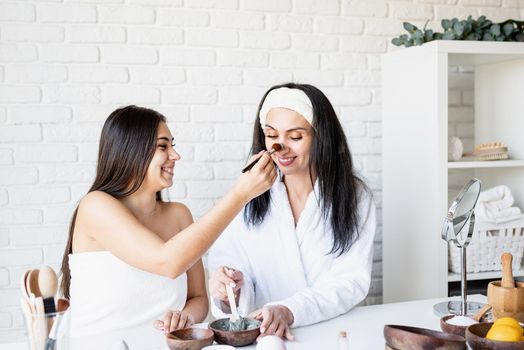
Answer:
(364, 326)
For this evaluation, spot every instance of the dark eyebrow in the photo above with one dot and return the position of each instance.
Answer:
(294, 129)
(165, 138)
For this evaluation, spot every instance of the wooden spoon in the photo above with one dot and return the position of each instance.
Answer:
(48, 285)
(507, 273)
(23, 280)
(31, 283)
(482, 311)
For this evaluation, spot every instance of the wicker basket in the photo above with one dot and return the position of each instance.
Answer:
(487, 245)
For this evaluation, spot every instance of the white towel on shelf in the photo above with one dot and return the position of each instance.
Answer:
(496, 206)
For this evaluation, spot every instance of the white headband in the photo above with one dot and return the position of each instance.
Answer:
(284, 97)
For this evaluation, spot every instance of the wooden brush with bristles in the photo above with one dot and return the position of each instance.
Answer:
(491, 151)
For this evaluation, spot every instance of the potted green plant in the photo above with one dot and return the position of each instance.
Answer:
(481, 29)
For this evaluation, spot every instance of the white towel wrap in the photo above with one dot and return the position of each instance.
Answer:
(107, 294)
(284, 97)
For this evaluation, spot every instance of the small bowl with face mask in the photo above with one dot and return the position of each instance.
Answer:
(224, 335)
(189, 339)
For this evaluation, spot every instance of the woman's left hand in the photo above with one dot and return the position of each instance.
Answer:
(276, 320)
(174, 320)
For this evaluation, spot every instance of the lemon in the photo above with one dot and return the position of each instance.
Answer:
(507, 321)
(503, 332)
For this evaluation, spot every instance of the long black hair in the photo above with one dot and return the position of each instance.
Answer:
(340, 188)
(127, 145)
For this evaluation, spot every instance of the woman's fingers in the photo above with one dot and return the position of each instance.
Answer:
(182, 320)
(159, 325)
(267, 319)
(175, 317)
(288, 335)
(167, 321)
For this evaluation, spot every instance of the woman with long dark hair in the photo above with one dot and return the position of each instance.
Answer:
(300, 253)
(131, 257)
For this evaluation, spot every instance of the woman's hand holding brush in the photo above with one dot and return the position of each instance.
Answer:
(275, 148)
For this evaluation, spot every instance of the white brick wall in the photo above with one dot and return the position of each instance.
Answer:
(205, 64)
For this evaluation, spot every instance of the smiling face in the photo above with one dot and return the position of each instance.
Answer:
(294, 131)
(160, 171)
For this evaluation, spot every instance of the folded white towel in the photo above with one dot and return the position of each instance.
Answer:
(495, 206)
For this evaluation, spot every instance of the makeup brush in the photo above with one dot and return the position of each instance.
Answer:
(275, 148)
(48, 284)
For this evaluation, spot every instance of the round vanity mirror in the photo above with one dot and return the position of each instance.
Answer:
(460, 212)
(458, 228)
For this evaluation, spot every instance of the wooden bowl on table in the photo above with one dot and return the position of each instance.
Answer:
(235, 338)
(476, 338)
(413, 338)
(189, 339)
(451, 328)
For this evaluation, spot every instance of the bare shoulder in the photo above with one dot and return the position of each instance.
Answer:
(97, 200)
(179, 213)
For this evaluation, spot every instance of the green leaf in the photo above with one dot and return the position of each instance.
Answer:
(446, 24)
(417, 34)
(486, 24)
(508, 29)
(396, 41)
(495, 30)
(449, 35)
(409, 27)
(428, 35)
(458, 28)
(472, 36)
(487, 37)
(519, 37)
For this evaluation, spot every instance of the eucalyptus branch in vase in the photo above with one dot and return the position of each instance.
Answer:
(481, 29)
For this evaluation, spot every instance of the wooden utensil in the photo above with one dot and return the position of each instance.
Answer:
(48, 285)
(507, 273)
(507, 296)
(32, 283)
(235, 318)
(479, 314)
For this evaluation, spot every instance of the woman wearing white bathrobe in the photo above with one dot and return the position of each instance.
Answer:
(300, 253)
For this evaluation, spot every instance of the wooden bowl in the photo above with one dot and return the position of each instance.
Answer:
(451, 328)
(235, 338)
(413, 338)
(476, 338)
(506, 302)
(189, 339)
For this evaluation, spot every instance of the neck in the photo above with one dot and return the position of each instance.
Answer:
(299, 186)
(142, 203)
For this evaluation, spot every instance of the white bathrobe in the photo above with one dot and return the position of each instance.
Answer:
(289, 265)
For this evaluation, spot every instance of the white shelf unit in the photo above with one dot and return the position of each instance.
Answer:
(415, 162)
(455, 277)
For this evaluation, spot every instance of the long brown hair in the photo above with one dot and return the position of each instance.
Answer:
(127, 145)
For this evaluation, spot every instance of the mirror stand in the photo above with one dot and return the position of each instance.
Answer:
(461, 219)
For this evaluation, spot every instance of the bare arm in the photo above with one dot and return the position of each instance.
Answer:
(197, 304)
(117, 230)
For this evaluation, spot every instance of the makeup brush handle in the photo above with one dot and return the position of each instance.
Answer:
(250, 165)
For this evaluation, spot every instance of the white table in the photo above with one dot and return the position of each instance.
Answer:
(364, 326)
